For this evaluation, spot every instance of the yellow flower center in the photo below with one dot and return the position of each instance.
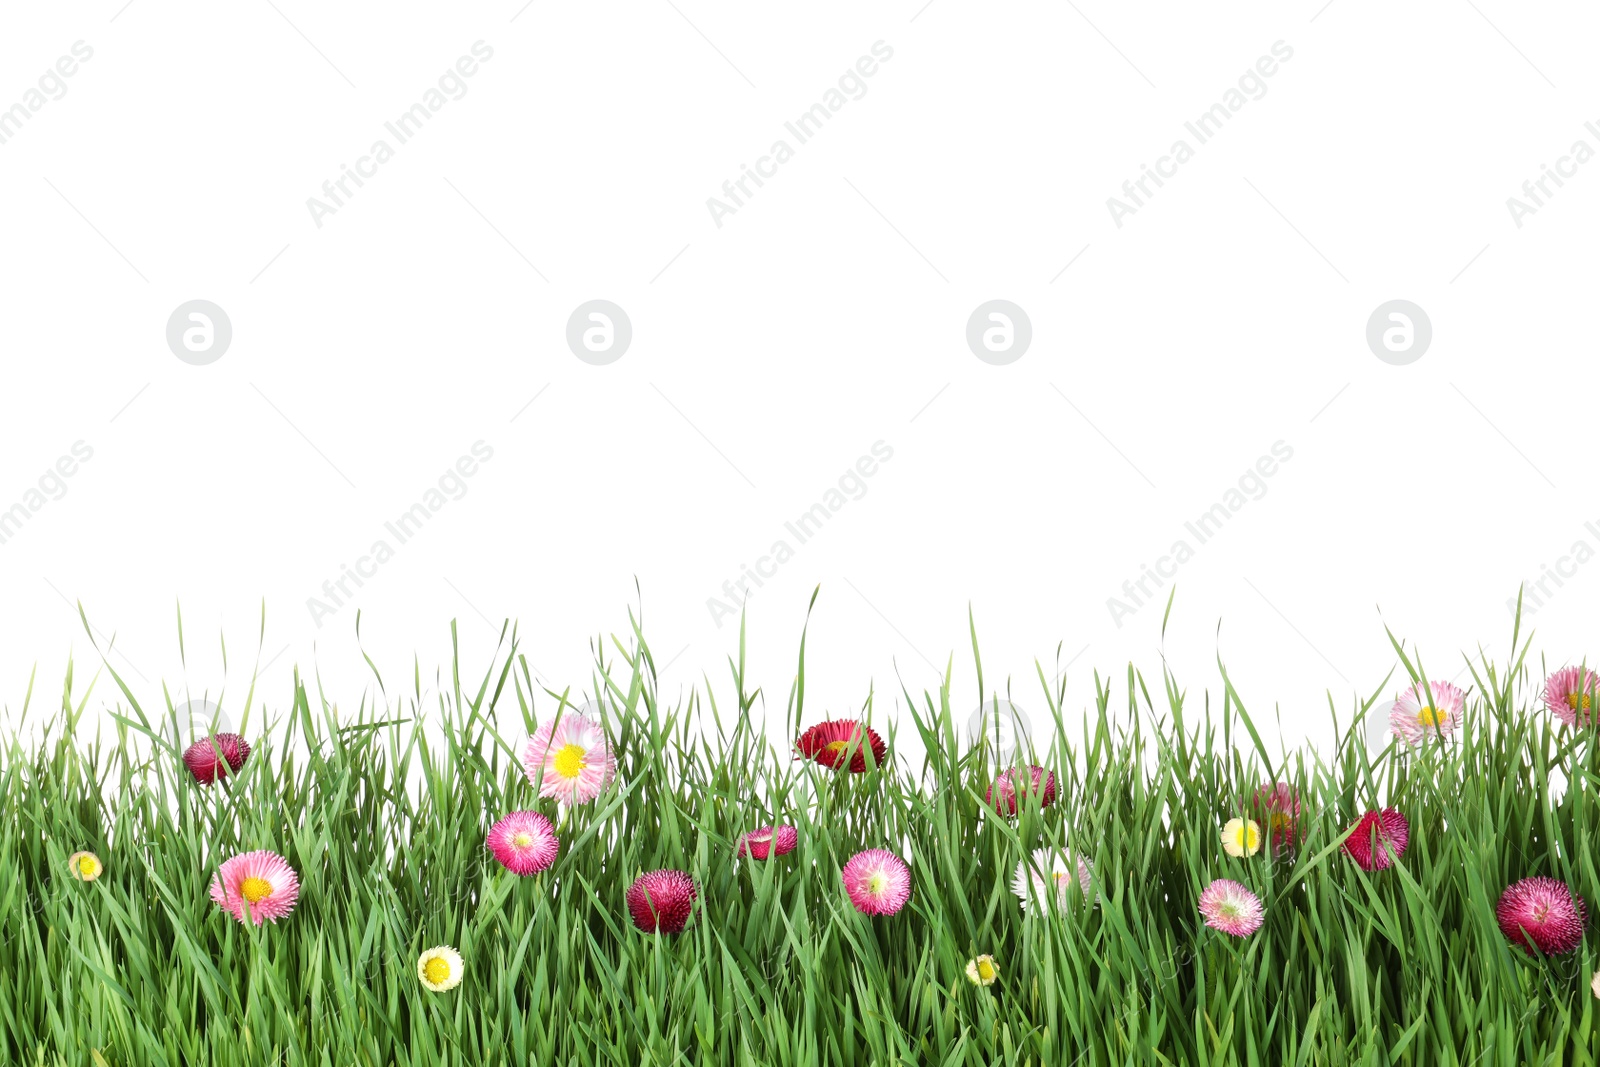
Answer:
(1248, 837)
(522, 840)
(1574, 701)
(1428, 717)
(571, 761)
(256, 890)
(1057, 876)
(876, 884)
(437, 970)
(1280, 821)
(88, 866)
(986, 971)
(833, 748)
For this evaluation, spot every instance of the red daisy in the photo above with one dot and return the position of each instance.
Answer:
(215, 757)
(767, 841)
(662, 901)
(830, 742)
(1373, 838)
(1006, 786)
(1542, 912)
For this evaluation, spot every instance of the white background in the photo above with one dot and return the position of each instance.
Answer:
(768, 354)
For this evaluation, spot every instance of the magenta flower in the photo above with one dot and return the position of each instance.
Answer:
(1231, 908)
(829, 742)
(1571, 694)
(215, 757)
(1002, 795)
(570, 760)
(1542, 912)
(878, 881)
(1372, 839)
(523, 842)
(767, 841)
(662, 901)
(1282, 809)
(260, 884)
(1416, 717)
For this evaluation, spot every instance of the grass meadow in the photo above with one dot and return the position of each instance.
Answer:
(382, 809)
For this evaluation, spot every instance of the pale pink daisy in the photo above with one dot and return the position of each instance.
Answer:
(260, 885)
(1046, 882)
(570, 760)
(1571, 694)
(523, 842)
(767, 841)
(1416, 716)
(878, 881)
(1231, 908)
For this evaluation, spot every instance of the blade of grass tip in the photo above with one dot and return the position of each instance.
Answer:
(977, 659)
(1168, 613)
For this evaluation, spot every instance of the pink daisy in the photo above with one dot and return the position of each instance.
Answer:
(1542, 912)
(829, 742)
(879, 882)
(523, 842)
(1415, 717)
(572, 757)
(262, 882)
(1372, 839)
(662, 901)
(1571, 694)
(1282, 809)
(1007, 781)
(1231, 908)
(767, 841)
(215, 757)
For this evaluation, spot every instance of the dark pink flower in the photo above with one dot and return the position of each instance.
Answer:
(1002, 795)
(1378, 832)
(830, 742)
(767, 841)
(215, 757)
(878, 881)
(1542, 912)
(523, 842)
(662, 901)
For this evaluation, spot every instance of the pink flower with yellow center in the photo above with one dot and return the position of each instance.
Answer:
(569, 759)
(256, 886)
(843, 742)
(1282, 809)
(1543, 913)
(1571, 694)
(878, 881)
(523, 842)
(1231, 907)
(1047, 881)
(1417, 716)
(767, 841)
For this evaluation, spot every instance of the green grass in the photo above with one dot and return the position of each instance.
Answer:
(382, 809)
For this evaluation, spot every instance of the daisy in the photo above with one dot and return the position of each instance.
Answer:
(1282, 809)
(1006, 786)
(1231, 908)
(767, 841)
(982, 971)
(879, 882)
(440, 968)
(523, 842)
(1372, 839)
(1048, 879)
(1416, 717)
(1542, 912)
(261, 881)
(662, 901)
(1571, 693)
(214, 757)
(572, 758)
(85, 866)
(829, 742)
(1241, 837)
